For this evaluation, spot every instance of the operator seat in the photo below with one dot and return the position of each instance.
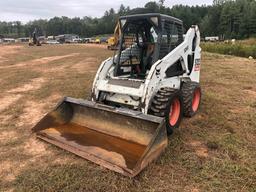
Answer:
(148, 56)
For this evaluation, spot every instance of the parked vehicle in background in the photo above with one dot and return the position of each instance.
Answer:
(86, 40)
(92, 40)
(42, 39)
(77, 40)
(23, 39)
(97, 41)
(60, 38)
(8, 40)
(68, 38)
(212, 39)
(52, 42)
(104, 39)
(50, 38)
(1, 38)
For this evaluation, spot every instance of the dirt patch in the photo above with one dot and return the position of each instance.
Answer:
(3, 59)
(64, 160)
(9, 169)
(52, 69)
(8, 49)
(32, 113)
(191, 189)
(54, 97)
(239, 110)
(40, 61)
(251, 93)
(103, 46)
(199, 148)
(33, 85)
(7, 135)
(4, 119)
(44, 60)
(6, 170)
(88, 65)
(8, 100)
(35, 147)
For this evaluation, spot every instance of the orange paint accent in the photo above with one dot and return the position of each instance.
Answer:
(174, 112)
(197, 67)
(196, 100)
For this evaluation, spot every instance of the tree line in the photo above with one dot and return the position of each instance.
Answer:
(224, 18)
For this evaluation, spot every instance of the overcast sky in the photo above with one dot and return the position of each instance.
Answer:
(26, 10)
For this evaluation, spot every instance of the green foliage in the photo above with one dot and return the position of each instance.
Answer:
(225, 18)
(241, 49)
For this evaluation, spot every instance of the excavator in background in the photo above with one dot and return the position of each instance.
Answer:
(139, 96)
(34, 39)
(113, 41)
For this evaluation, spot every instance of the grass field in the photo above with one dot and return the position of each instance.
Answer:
(214, 151)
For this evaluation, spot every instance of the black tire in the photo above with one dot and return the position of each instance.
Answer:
(191, 93)
(161, 106)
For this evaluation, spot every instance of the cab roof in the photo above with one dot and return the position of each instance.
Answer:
(147, 15)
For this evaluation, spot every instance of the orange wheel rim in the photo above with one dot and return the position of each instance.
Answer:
(196, 100)
(174, 112)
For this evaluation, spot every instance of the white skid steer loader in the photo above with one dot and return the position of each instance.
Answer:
(138, 97)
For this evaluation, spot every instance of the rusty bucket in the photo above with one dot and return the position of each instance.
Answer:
(122, 140)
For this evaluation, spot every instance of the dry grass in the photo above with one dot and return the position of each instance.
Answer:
(214, 151)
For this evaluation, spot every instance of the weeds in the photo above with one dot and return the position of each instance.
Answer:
(239, 48)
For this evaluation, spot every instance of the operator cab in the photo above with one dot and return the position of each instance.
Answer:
(145, 39)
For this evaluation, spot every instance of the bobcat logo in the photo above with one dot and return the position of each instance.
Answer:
(186, 49)
(197, 65)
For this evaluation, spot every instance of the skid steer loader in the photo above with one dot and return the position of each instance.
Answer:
(138, 97)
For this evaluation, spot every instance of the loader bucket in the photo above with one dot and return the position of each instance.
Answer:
(122, 140)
